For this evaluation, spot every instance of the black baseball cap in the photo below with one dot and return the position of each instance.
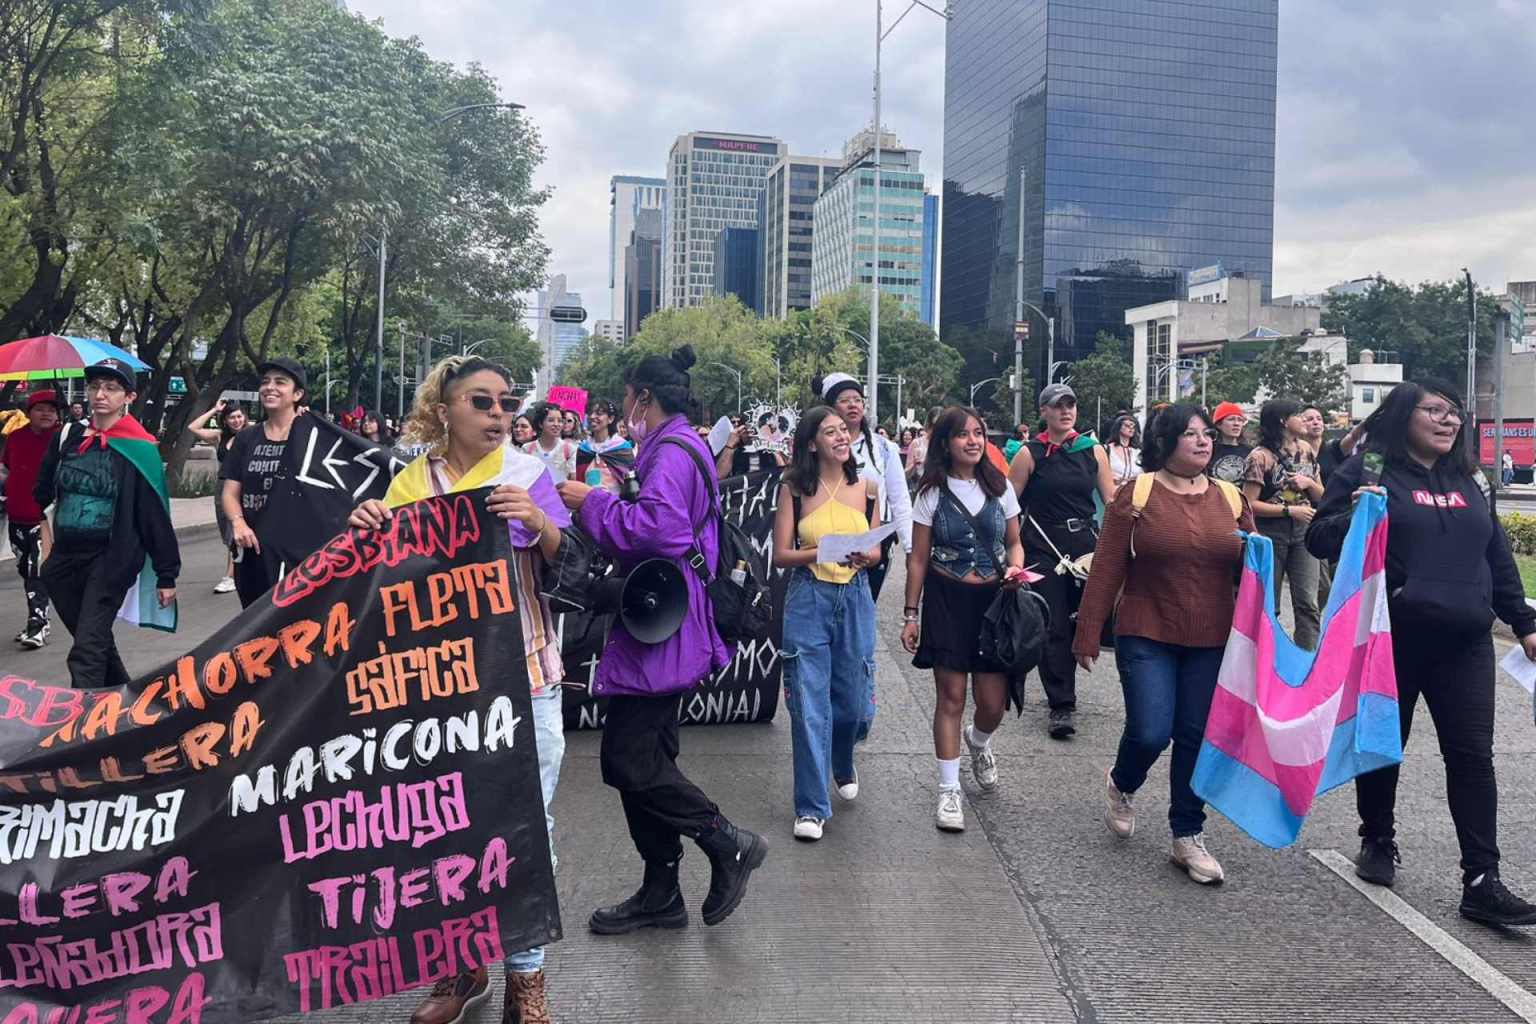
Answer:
(288, 368)
(115, 369)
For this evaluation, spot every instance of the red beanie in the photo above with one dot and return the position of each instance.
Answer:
(1226, 409)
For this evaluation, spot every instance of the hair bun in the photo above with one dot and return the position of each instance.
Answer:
(683, 358)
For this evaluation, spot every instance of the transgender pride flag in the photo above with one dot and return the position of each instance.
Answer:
(1286, 724)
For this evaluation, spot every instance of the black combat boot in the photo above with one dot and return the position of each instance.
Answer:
(657, 904)
(734, 853)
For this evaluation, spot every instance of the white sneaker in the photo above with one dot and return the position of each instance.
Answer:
(1119, 813)
(1190, 854)
(849, 790)
(225, 586)
(35, 640)
(983, 763)
(950, 817)
(808, 829)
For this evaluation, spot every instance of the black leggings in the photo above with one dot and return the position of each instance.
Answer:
(1456, 681)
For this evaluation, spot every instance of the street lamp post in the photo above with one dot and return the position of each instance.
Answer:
(874, 264)
(978, 384)
(378, 379)
(737, 373)
(469, 349)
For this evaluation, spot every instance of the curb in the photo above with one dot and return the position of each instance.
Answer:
(194, 531)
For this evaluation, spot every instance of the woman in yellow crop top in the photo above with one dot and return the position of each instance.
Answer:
(828, 647)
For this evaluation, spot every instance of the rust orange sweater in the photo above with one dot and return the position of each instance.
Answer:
(1180, 587)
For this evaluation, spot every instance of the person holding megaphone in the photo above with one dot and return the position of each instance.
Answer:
(462, 414)
(673, 512)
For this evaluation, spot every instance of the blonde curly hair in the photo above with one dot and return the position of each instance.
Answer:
(423, 426)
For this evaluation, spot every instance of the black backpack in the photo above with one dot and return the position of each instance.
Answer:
(744, 610)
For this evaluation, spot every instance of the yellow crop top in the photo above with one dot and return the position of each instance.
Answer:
(831, 517)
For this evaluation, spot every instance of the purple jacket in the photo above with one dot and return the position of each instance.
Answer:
(673, 497)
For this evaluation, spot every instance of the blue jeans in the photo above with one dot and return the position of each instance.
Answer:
(549, 734)
(828, 652)
(1168, 691)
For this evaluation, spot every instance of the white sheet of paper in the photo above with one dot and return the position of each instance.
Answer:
(837, 547)
(719, 434)
(1520, 668)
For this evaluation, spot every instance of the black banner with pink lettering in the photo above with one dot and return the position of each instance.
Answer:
(333, 799)
(745, 690)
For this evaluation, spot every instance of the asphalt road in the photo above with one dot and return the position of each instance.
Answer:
(1034, 914)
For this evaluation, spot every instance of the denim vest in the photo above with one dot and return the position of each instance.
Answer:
(955, 546)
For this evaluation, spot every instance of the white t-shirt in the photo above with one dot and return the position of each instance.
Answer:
(559, 460)
(971, 496)
(1124, 463)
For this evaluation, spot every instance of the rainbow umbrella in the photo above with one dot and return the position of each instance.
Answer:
(53, 355)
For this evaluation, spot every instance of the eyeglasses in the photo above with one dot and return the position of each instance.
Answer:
(1442, 413)
(1193, 435)
(485, 403)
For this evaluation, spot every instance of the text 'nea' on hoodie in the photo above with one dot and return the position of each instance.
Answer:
(1449, 567)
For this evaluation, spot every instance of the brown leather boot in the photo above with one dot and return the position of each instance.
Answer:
(524, 1002)
(451, 998)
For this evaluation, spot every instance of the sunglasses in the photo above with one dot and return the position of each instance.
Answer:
(485, 403)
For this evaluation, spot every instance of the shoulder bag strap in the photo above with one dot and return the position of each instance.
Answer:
(959, 506)
(696, 557)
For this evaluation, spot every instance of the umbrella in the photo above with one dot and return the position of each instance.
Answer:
(53, 355)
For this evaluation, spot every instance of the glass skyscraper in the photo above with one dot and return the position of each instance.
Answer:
(844, 215)
(1145, 131)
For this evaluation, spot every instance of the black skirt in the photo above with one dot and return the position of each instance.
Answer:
(951, 624)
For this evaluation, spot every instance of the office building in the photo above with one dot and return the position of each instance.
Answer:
(788, 226)
(844, 216)
(627, 196)
(929, 313)
(714, 181)
(642, 271)
(557, 340)
(1170, 336)
(608, 330)
(735, 263)
(1144, 134)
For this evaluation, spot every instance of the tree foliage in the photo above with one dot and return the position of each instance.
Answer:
(222, 171)
(1104, 381)
(1425, 325)
(1284, 372)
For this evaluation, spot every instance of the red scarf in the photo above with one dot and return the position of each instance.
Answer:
(1051, 447)
(126, 429)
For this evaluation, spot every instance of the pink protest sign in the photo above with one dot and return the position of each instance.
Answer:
(574, 399)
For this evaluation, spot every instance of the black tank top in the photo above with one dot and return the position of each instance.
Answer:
(1060, 487)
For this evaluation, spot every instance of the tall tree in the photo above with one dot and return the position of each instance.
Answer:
(1105, 382)
(59, 199)
(1425, 325)
(1286, 373)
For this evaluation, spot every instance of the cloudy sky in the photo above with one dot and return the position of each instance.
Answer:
(1406, 142)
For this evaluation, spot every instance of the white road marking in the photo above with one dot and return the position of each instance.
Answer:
(1490, 978)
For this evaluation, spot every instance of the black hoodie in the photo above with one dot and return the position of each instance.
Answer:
(1449, 568)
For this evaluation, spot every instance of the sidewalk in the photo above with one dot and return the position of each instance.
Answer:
(191, 518)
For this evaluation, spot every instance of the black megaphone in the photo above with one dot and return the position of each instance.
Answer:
(650, 601)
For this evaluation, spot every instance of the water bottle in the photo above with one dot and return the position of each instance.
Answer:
(739, 574)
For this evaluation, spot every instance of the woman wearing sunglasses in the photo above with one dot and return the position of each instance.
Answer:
(1449, 573)
(1174, 558)
(461, 415)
